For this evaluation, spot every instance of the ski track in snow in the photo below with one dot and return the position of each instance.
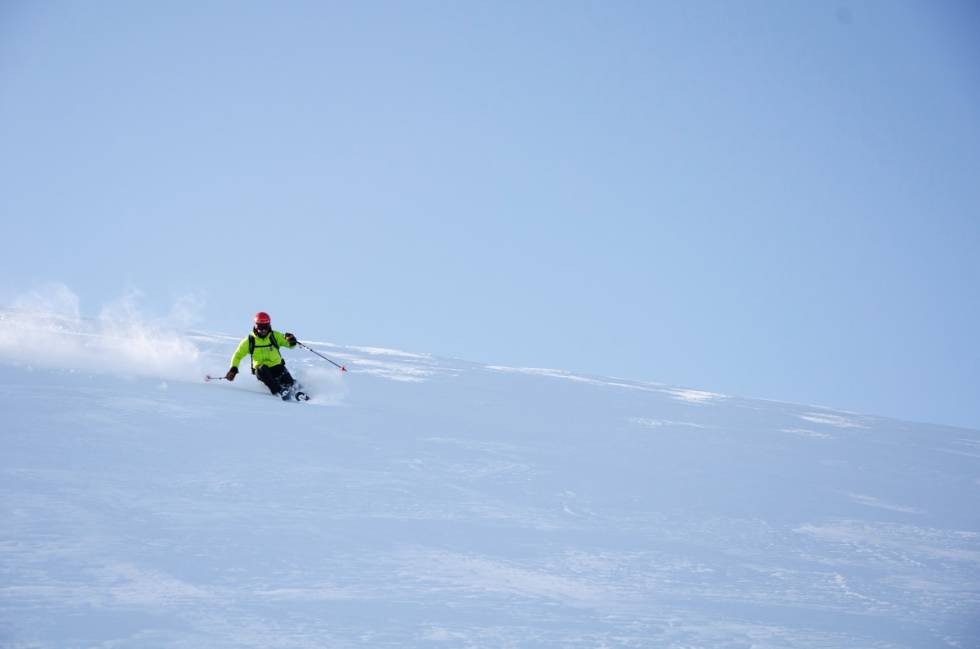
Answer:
(427, 502)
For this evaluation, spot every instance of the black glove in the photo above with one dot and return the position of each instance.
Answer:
(291, 339)
(231, 374)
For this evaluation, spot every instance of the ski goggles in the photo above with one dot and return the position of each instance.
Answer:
(263, 327)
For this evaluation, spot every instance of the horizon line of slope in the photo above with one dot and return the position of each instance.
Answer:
(156, 349)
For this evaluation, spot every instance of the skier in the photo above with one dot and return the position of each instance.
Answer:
(268, 365)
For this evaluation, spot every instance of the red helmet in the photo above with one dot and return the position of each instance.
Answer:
(262, 318)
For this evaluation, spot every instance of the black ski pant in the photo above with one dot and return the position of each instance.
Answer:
(275, 377)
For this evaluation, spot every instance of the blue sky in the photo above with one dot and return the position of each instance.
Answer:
(772, 199)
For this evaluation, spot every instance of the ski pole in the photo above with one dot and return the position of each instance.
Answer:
(208, 377)
(342, 368)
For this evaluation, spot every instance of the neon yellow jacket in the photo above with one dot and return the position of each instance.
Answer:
(265, 352)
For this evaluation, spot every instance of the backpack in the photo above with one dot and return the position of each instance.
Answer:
(251, 346)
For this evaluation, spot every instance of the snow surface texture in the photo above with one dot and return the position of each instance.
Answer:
(425, 502)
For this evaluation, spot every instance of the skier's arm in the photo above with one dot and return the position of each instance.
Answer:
(240, 353)
(288, 340)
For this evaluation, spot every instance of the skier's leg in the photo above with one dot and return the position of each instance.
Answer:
(269, 378)
(286, 381)
(282, 380)
(292, 386)
(285, 378)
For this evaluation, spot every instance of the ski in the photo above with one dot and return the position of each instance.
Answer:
(293, 393)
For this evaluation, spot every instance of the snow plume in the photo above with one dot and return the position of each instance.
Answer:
(326, 384)
(45, 328)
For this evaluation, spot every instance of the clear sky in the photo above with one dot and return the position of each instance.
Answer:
(771, 199)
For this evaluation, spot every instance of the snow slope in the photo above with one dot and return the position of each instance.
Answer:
(428, 502)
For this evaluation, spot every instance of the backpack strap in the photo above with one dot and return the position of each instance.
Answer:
(251, 342)
(251, 347)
